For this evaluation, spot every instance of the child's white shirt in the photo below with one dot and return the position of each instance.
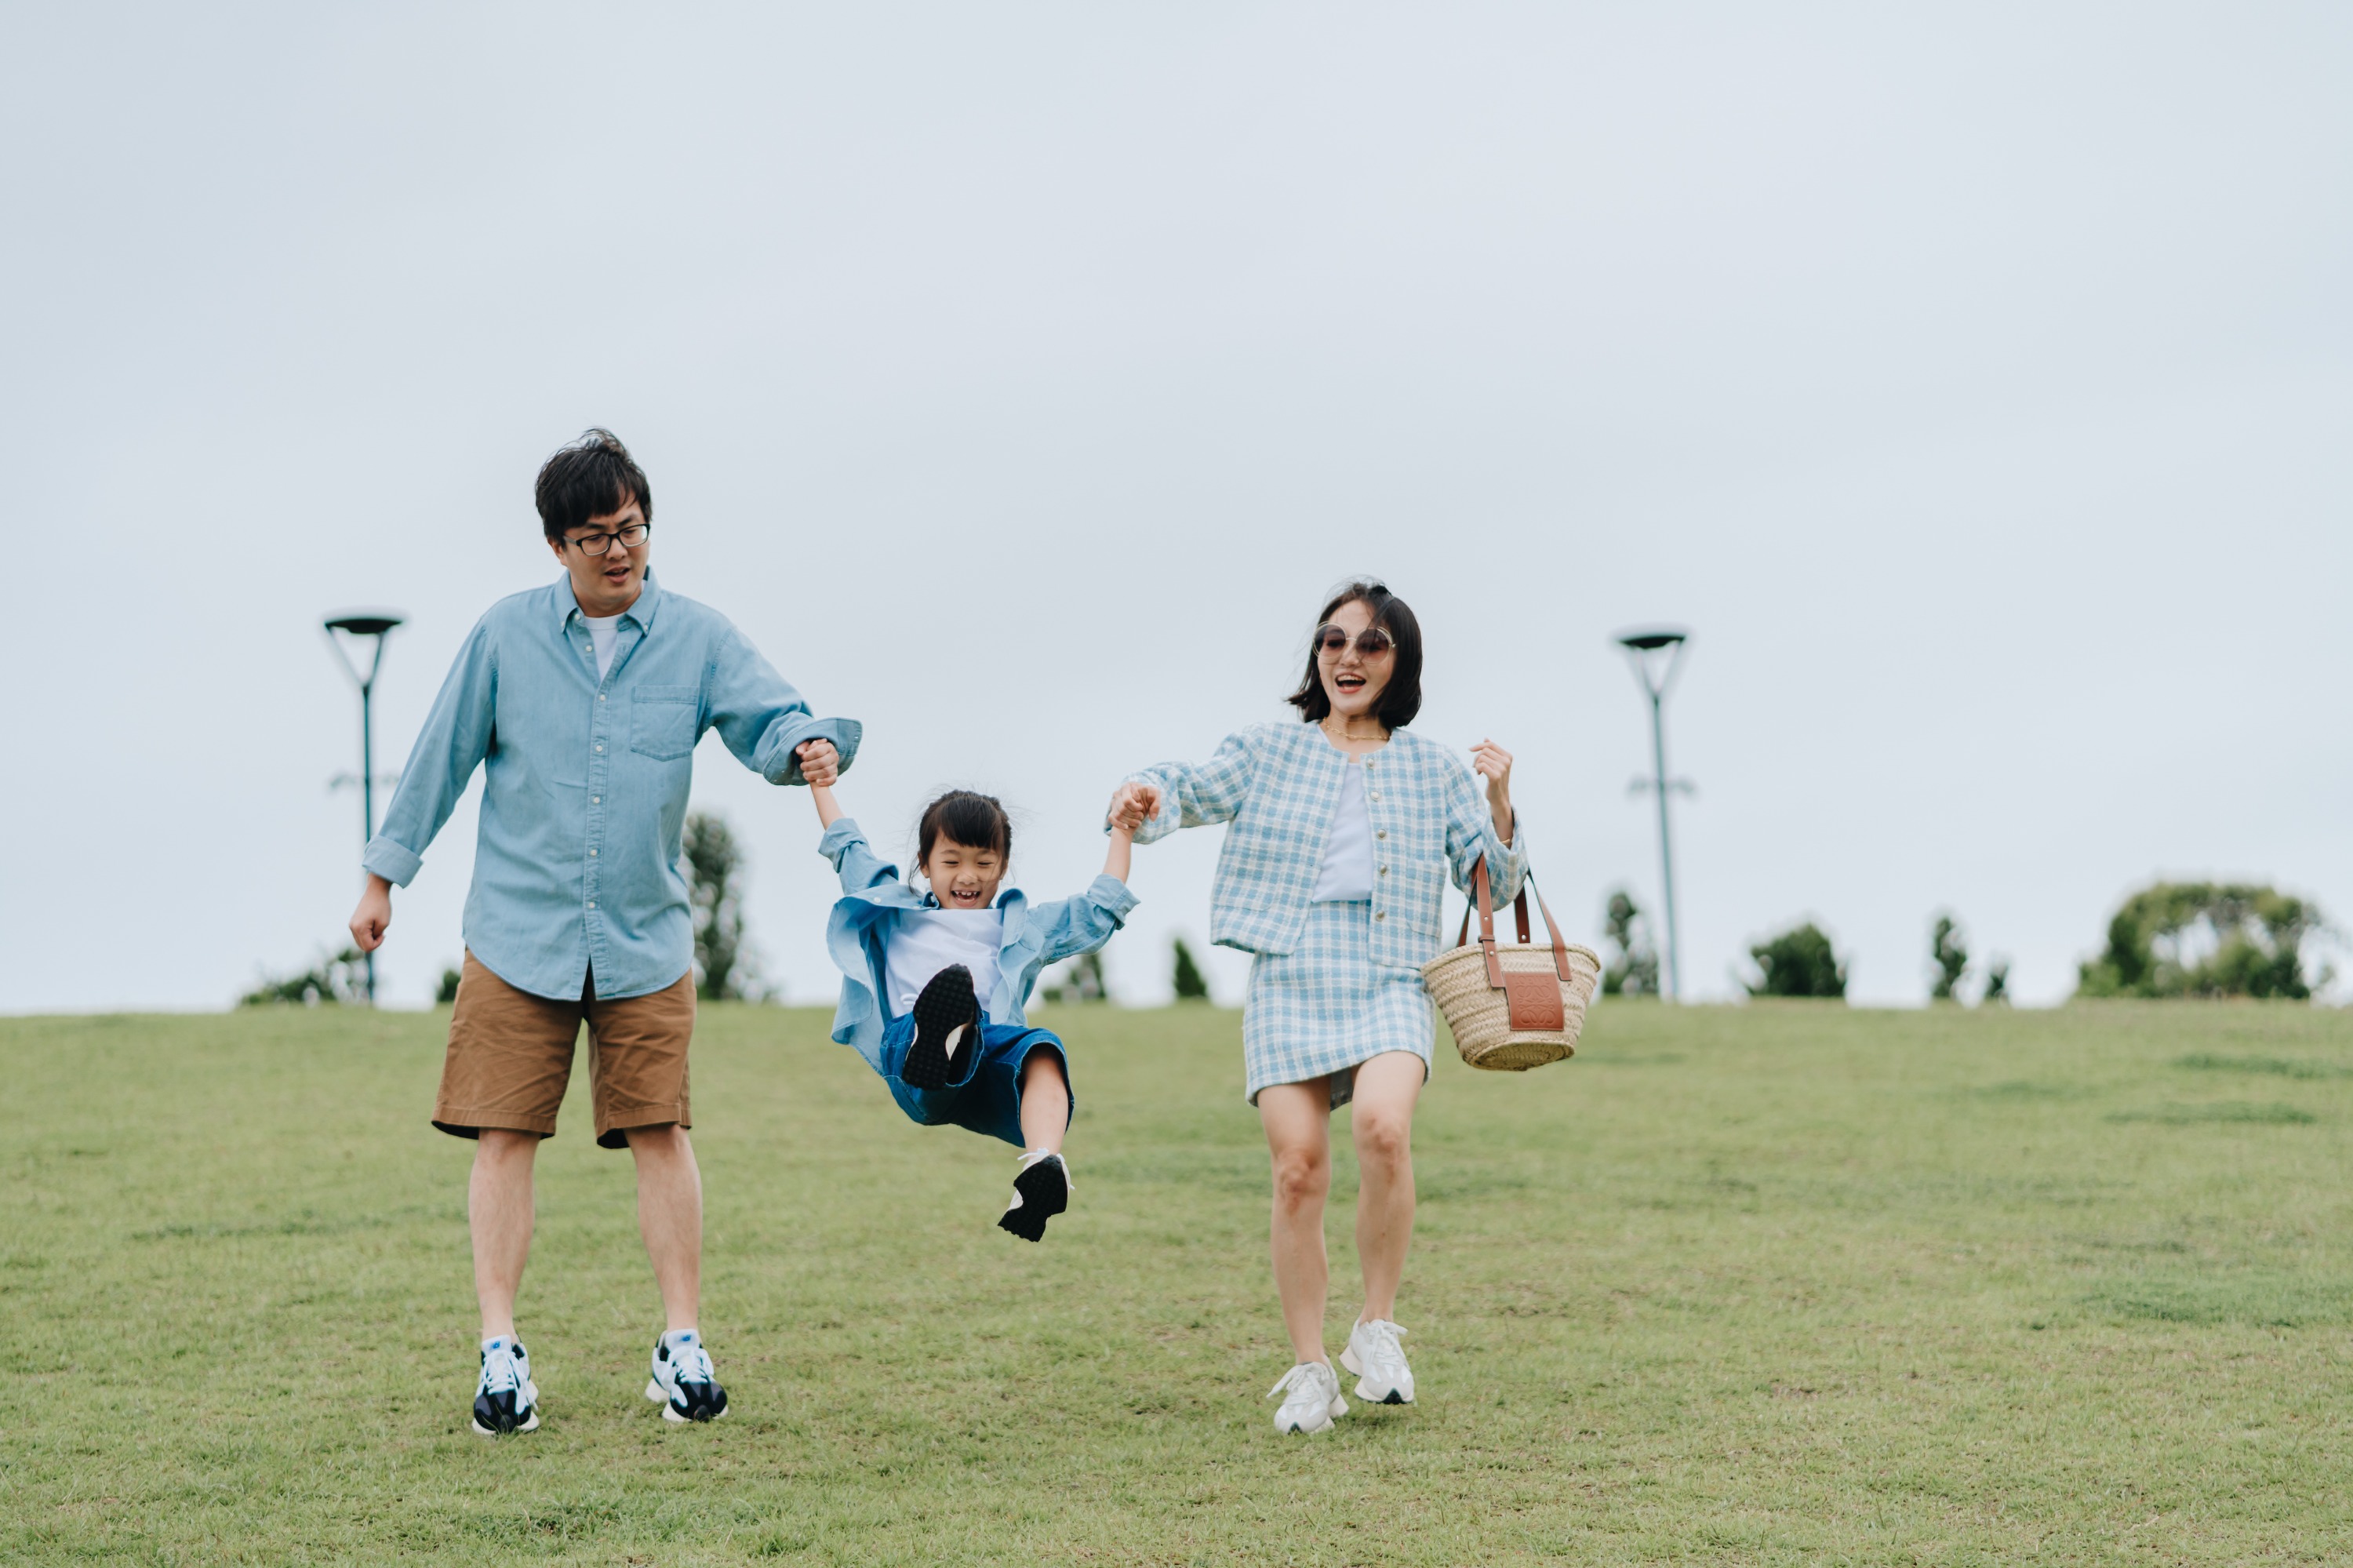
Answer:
(928, 940)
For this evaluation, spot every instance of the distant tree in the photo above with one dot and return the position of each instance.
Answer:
(1798, 962)
(714, 879)
(2205, 938)
(1191, 985)
(1997, 986)
(1946, 952)
(1635, 971)
(1082, 981)
(448, 992)
(340, 979)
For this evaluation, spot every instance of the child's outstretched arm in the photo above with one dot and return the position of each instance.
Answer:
(821, 768)
(1129, 810)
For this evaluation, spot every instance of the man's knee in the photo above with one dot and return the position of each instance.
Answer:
(498, 1147)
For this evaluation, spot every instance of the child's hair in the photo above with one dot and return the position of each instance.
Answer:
(966, 818)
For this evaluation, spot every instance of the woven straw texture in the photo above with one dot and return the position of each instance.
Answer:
(1456, 981)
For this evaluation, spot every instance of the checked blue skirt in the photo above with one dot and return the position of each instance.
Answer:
(1326, 1008)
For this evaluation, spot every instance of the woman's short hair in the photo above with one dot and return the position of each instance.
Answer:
(963, 817)
(1401, 698)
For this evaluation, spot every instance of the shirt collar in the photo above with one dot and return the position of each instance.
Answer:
(567, 604)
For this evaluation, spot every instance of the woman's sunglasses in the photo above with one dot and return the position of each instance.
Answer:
(1371, 643)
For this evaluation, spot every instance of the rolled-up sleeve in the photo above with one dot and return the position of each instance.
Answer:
(762, 719)
(1471, 835)
(456, 738)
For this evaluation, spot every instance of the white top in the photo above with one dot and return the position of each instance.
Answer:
(604, 636)
(929, 940)
(1347, 874)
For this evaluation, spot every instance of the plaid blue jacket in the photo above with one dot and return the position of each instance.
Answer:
(1279, 785)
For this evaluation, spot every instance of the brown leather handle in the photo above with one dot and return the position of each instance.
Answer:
(1483, 898)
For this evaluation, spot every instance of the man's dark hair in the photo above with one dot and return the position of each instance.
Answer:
(591, 477)
(1401, 698)
(976, 822)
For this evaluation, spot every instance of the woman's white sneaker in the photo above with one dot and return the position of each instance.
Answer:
(1375, 1356)
(1312, 1398)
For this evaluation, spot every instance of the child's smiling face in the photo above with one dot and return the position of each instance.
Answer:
(963, 877)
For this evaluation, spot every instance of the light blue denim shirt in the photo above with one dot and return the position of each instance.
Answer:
(585, 781)
(1279, 784)
(873, 899)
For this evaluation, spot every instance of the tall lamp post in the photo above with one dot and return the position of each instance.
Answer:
(345, 631)
(1656, 656)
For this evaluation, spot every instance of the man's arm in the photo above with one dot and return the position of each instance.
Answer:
(455, 739)
(763, 721)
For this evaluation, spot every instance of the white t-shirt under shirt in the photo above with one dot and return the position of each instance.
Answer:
(604, 636)
(1347, 872)
(928, 940)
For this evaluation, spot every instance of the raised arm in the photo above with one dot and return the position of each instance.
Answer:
(762, 720)
(1172, 795)
(1488, 826)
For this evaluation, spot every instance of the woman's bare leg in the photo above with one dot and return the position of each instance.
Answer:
(1387, 1087)
(1298, 1121)
(1045, 1102)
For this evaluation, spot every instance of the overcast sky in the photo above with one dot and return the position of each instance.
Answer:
(1973, 380)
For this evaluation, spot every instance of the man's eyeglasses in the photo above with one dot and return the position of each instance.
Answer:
(597, 544)
(1371, 643)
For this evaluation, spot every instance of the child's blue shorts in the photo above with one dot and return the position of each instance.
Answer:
(986, 1094)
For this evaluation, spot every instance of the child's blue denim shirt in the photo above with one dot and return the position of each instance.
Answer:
(873, 898)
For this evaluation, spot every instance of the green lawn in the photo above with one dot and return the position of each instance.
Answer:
(1773, 1284)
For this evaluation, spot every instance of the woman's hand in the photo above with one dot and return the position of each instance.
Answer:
(1494, 764)
(1134, 805)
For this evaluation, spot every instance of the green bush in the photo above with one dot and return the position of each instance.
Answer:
(2256, 935)
(1191, 985)
(1635, 971)
(1798, 962)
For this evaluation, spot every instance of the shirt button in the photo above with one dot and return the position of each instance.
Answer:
(592, 855)
(600, 696)
(1377, 913)
(596, 800)
(1385, 870)
(592, 904)
(600, 746)
(1382, 834)
(1376, 794)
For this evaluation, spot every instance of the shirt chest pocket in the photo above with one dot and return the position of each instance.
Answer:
(663, 721)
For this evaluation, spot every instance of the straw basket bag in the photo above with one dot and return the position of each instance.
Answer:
(1512, 1008)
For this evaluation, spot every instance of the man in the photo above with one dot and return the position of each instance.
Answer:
(583, 702)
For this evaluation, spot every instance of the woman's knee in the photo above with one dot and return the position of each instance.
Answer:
(1384, 1138)
(1302, 1176)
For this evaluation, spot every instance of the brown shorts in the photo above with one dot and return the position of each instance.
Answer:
(510, 1056)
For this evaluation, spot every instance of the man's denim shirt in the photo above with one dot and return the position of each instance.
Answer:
(585, 781)
(873, 900)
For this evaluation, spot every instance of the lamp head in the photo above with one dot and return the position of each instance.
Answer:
(1652, 640)
(366, 623)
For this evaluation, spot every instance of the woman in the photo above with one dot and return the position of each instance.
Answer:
(1345, 829)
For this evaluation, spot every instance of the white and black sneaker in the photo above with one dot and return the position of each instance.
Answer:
(505, 1399)
(683, 1382)
(1311, 1400)
(1379, 1362)
(1042, 1188)
(946, 1015)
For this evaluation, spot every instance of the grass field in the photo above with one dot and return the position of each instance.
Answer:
(1773, 1284)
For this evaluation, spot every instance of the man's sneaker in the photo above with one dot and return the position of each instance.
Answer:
(684, 1382)
(1312, 1398)
(1382, 1376)
(945, 1014)
(1042, 1188)
(505, 1399)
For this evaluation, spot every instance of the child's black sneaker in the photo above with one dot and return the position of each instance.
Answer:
(505, 1399)
(947, 1015)
(1041, 1191)
(682, 1382)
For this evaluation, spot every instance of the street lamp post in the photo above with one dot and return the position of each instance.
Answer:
(1656, 656)
(373, 625)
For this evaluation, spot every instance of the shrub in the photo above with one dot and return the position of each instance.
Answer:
(1798, 962)
(1949, 955)
(1082, 981)
(714, 877)
(1635, 971)
(340, 979)
(1190, 984)
(2205, 938)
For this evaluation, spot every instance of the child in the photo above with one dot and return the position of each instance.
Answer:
(933, 984)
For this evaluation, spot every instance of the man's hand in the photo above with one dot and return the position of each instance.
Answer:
(1133, 806)
(820, 764)
(373, 918)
